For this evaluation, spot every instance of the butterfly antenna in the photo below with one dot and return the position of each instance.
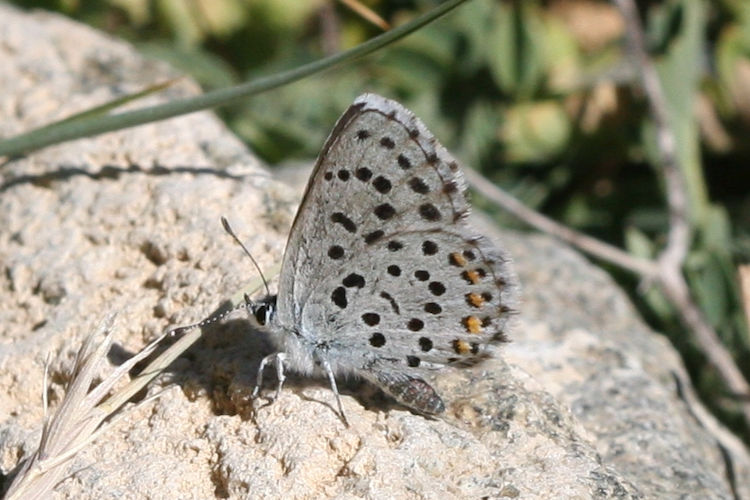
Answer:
(213, 319)
(228, 229)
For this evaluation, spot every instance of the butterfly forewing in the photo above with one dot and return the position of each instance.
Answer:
(381, 267)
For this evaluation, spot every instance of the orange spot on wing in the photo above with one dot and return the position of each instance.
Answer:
(472, 324)
(474, 299)
(471, 276)
(457, 259)
(461, 347)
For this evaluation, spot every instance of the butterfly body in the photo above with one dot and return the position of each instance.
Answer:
(382, 278)
(307, 348)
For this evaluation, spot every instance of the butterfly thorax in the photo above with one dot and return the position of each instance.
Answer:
(305, 346)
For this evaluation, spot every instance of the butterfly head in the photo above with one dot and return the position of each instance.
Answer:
(263, 309)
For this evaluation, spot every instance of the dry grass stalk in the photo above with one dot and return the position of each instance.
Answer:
(83, 415)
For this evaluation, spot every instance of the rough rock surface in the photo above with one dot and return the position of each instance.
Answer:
(585, 402)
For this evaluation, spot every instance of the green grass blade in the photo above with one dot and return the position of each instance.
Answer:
(111, 105)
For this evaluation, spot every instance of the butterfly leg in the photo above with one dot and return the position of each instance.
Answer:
(332, 380)
(278, 359)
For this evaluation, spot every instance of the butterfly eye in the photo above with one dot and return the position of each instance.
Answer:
(261, 314)
(264, 311)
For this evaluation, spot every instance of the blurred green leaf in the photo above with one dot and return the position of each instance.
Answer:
(137, 10)
(475, 22)
(535, 131)
(733, 69)
(709, 286)
(649, 219)
(717, 233)
(208, 69)
(638, 244)
(181, 21)
(681, 31)
(483, 120)
(515, 55)
(562, 60)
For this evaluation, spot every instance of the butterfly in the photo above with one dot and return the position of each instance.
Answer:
(382, 278)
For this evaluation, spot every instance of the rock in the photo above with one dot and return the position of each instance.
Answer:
(586, 402)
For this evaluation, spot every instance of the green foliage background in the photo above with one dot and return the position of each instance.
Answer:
(539, 96)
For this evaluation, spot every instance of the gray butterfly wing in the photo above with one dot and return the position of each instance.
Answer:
(381, 274)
